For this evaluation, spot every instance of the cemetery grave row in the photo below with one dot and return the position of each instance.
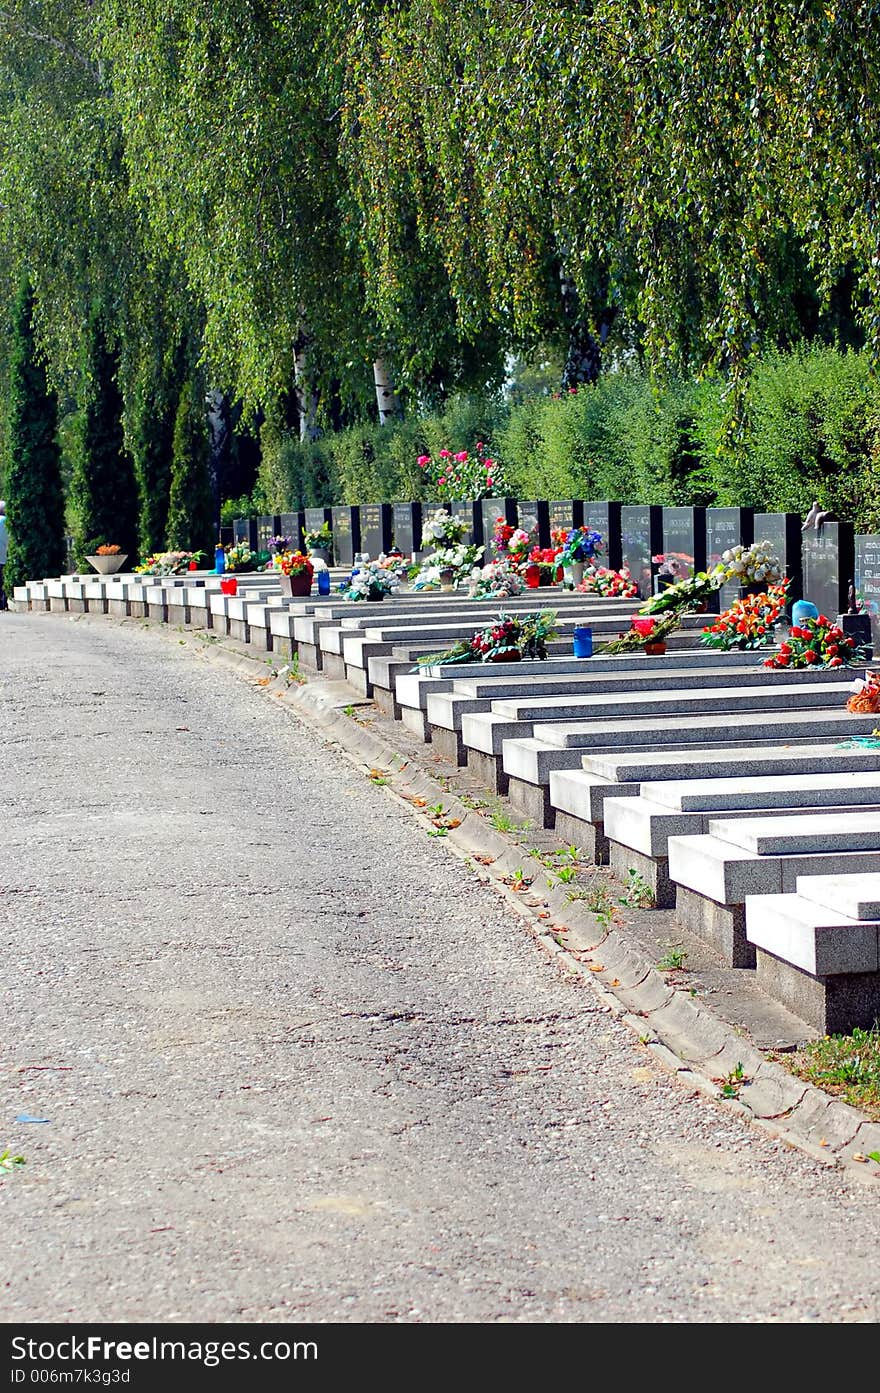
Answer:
(733, 789)
(820, 563)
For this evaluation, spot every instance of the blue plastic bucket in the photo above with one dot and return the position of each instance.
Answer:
(582, 639)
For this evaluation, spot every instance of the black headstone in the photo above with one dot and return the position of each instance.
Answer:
(407, 522)
(290, 525)
(468, 513)
(726, 528)
(375, 528)
(684, 540)
(245, 530)
(565, 513)
(641, 530)
(267, 528)
(605, 518)
(867, 581)
(783, 532)
(829, 566)
(492, 509)
(227, 536)
(346, 534)
(316, 517)
(534, 517)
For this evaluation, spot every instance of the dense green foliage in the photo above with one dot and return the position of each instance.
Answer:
(34, 493)
(310, 193)
(103, 488)
(191, 513)
(813, 432)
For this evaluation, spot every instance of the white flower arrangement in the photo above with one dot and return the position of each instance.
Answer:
(497, 581)
(752, 565)
(460, 559)
(371, 579)
(442, 528)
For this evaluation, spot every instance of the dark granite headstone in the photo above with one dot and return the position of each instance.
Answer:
(468, 513)
(605, 518)
(492, 509)
(227, 536)
(867, 580)
(566, 512)
(267, 528)
(245, 530)
(829, 566)
(407, 525)
(375, 528)
(783, 532)
(346, 534)
(534, 517)
(316, 517)
(290, 525)
(684, 540)
(725, 528)
(641, 530)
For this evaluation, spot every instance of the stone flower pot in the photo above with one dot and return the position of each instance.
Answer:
(108, 565)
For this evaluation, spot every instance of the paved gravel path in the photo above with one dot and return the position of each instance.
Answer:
(298, 1064)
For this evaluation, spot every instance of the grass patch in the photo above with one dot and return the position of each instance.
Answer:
(845, 1065)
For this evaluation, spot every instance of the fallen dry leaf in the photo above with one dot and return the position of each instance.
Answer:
(420, 802)
(822, 1141)
(857, 1156)
(597, 967)
(454, 822)
(615, 982)
(485, 860)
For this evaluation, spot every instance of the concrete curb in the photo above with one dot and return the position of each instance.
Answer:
(681, 1034)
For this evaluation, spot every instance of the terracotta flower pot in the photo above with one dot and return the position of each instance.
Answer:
(505, 655)
(655, 650)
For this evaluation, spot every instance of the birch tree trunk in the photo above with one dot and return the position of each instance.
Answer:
(306, 396)
(387, 399)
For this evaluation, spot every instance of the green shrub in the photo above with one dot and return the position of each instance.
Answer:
(811, 430)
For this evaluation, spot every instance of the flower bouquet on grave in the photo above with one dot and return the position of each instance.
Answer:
(507, 638)
(519, 545)
(504, 530)
(817, 643)
(297, 573)
(580, 545)
(442, 530)
(646, 632)
(614, 585)
(277, 547)
(394, 561)
(543, 567)
(371, 581)
(462, 475)
(451, 555)
(497, 581)
(687, 594)
(753, 565)
(321, 539)
(748, 623)
(168, 563)
(239, 557)
(865, 699)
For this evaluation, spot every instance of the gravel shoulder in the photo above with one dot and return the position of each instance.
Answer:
(300, 1064)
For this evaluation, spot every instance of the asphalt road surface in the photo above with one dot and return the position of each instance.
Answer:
(297, 1064)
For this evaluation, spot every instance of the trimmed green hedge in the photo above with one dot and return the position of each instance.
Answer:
(812, 431)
